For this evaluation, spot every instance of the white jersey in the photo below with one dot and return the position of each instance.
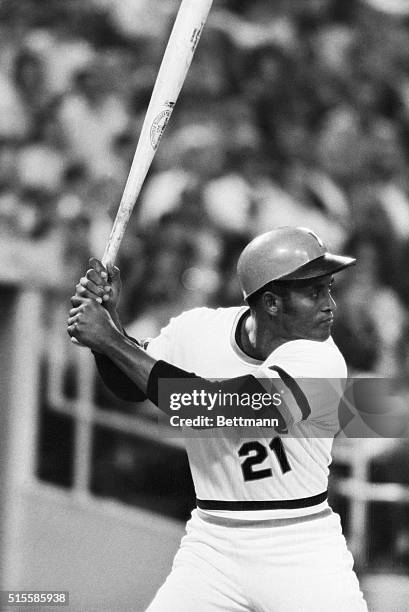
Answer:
(232, 472)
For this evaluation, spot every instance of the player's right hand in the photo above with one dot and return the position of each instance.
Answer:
(101, 284)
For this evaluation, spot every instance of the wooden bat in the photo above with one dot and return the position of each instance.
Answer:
(176, 61)
(175, 64)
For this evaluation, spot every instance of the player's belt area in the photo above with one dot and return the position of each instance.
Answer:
(222, 521)
(282, 504)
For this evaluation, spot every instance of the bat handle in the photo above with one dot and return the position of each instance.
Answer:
(107, 258)
(115, 238)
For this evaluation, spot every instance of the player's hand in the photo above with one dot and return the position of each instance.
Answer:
(101, 284)
(90, 323)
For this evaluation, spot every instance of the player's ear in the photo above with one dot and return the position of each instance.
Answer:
(271, 303)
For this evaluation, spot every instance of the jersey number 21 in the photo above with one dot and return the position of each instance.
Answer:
(258, 454)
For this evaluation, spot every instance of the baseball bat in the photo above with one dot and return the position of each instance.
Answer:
(175, 64)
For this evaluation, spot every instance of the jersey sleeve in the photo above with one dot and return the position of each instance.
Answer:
(168, 345)
(160, 347)
(174, 342)
(312, 378)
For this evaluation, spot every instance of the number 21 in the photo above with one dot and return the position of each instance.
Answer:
(261, 453)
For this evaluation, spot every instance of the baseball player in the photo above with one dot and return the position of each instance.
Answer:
(263, 537)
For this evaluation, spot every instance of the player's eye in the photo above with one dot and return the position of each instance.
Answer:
(320, 290)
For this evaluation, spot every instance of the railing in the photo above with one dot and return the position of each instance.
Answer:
(136, 423)
(357, 455)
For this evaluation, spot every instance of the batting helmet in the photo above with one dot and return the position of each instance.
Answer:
(286, 253)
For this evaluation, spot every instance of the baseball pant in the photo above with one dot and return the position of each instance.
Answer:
(288, 565)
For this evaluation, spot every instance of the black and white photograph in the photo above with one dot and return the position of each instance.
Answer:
(204, 297)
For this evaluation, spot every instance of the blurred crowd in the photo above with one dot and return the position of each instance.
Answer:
(294, 112)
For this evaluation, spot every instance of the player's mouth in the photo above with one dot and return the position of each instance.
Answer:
(328, 321)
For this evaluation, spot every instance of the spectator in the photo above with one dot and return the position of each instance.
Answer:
(91, 118)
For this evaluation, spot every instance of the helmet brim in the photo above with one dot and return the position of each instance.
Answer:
(321, 266)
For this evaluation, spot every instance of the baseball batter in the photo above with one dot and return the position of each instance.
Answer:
(262, 537)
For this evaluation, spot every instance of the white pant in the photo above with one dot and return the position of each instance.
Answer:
(300, 567)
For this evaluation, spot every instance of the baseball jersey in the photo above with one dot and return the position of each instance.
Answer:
(265, 475)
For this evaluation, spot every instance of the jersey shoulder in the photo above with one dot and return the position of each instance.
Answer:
(191, 328)
(199, 320)
(309, 358)
(204, 313)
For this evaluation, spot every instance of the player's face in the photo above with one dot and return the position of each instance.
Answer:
(308, 309)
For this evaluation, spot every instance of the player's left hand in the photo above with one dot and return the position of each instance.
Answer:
(90, 323)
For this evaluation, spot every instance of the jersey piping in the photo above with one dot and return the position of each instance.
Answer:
(296, 390)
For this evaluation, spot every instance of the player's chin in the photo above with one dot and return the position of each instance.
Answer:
(322, 332)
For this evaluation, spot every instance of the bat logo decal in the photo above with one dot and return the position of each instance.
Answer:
(159, 124)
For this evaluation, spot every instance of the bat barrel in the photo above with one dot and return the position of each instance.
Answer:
(175, 64)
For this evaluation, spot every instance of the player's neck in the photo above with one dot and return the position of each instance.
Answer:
(258, 341)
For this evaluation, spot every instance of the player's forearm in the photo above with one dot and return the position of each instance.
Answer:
(116, 380)
(132, 360)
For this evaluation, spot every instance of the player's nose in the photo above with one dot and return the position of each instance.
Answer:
(329, 304)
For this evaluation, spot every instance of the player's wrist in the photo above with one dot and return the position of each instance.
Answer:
(110, 339)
